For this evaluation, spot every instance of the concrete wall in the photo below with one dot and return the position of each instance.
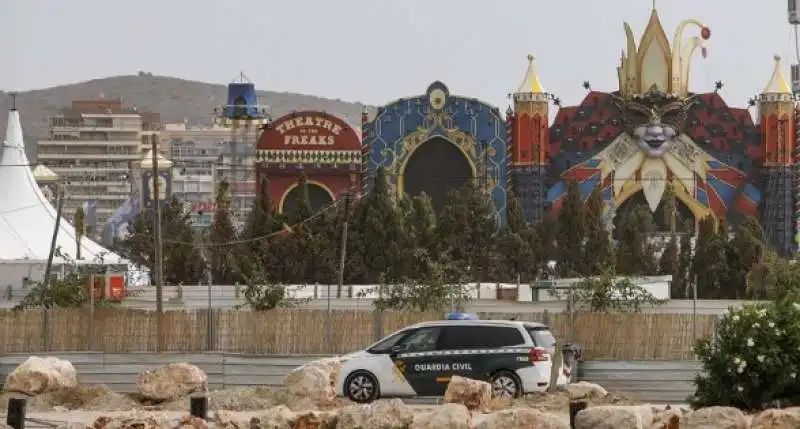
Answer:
(651, 381)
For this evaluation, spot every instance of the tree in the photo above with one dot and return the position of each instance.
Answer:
(710, 261)
(515, 244)
(297, 248)
(375, 242)
(635, 252)
(263, 221)
(420, 226)
(571, 233)
(597, 249)
(545, 240)
(68, 291)
(669, 262)
(440, 286)
(182, 260)
(746, 249)
(262, 294)
(466, 229)
(80, 230)
(222, 257)
(610, 293)
(773, 277)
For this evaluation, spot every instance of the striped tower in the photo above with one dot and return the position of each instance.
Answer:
(509, 145)
(529, 141)
(797, 179)
(778, 142)
(364, 150)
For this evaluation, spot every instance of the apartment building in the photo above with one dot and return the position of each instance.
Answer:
(94, 147)
(203, 156)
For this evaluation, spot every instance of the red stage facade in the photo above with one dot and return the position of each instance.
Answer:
(324, 147)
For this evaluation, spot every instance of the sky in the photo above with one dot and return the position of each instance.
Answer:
(374, 51)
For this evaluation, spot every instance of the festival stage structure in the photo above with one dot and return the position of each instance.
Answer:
(318, 145)
(650, 134)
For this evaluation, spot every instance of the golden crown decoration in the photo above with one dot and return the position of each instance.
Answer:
(655, 66)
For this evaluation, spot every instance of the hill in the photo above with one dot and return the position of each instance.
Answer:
(175, 99)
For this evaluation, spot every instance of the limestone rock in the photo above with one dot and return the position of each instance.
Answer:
(311, 384)
(42, 374)
(315, 420)
(522, 418)
(280, 417)
(583, 389)
(189, 422)
(447, 416)
(171, 381)
(474, 394)
(382, 414)
(332, 366)
(132, 422)
(715, 418)
(227, 420)
(613, 417)
(787, 418)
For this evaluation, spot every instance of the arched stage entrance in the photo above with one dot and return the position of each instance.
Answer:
(683, 213)
(436, 167)
(318, 196)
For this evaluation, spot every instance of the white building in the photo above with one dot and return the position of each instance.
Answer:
(28, 219)
(92, 148)
(202, 156)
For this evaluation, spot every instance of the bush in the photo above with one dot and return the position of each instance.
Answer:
(753, 360)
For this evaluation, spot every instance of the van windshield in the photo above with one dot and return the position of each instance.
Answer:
(385, 345)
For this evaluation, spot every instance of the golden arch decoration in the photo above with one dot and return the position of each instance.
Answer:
(698, 210)
(407, 156)
(295, 184)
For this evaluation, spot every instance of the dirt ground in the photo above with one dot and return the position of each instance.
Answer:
(86, 403)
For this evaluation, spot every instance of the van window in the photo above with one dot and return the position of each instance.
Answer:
(479, 337)
(421, 340)
(542, 336)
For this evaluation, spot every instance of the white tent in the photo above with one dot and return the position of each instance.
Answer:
(27, 219)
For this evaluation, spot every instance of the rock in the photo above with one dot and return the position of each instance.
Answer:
(715, 418)
(315, 420)
(583, 389)
(38, 375)
(332, 366)
(171, 381)
(447, 416)
(189, 422)
(226, 419)
(309, 385)
(787, 418)
(382, 414)
(613, 417)
(280, 417)
(473, 394)
(522, 418)
(132, 422)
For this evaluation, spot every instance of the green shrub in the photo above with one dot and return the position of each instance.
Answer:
(753, 360)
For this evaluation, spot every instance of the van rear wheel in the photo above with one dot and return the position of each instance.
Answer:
(505, 384)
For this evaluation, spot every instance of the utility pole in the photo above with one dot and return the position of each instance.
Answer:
(159, 262)
(49, 268)
(54, 239)
(343, 248)
(340, 279)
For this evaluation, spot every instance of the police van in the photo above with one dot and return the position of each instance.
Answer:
(419, 360)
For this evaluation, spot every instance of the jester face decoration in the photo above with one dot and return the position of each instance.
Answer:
(654, 120)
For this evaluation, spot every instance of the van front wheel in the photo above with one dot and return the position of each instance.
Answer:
(361, 387)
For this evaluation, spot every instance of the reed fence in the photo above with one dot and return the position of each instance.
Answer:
(622, 336)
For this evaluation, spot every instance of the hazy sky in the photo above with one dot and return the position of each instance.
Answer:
(376, 51)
